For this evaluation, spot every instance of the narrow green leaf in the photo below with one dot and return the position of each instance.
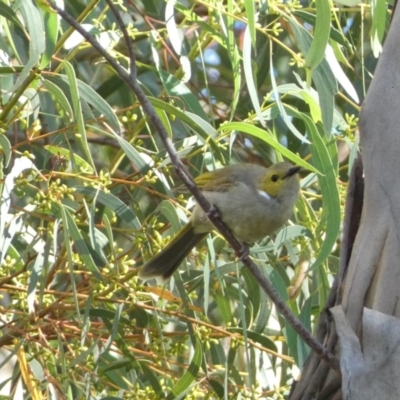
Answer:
(109, 232)
(177, 89)
(51, 24)
(36, 369)
(9, 355)
(280, 105)
(378, 10)
(14, 227)
(167, 209)
(97, 239)
(165, 121)
(279, 284)
(86, 320)
(205, 125)
(105, 314)
(249, 76)
(61, 98)
(153, 379)
(253, 292)
(260, 338)
(34, 277)
(21, 164)
(231, 371)
(142, 161)
(17, 256)
(81, 136)
(111, 398)
(8, 13)
(234, 57)
(34, 23)
(224, 306)
(246, 322)
(206, 272)
(99, 105)
(323, 288)
(303, 350)
(61, 212)
(305, 313)
(176, 37)
(270, 140)
(188, 120)
(330, 195)
(115, 326)
(217, 387)
(322, 76)
(31, 98)
(321, 34)
(264, 314)
(289, 233)
(326, 86)
(292, 343)
(344, 81)
(5, 149)
(80, 244)
(81, 358)
(190, 375)
(141, 317)
(251, 19)
(123, 363)
(113, 203)
(309, 95)
(154, 8)
(187, 302)
(334, 34)
(192, 16)
(157, 103)
(329, 190)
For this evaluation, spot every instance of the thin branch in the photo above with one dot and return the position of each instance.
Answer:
(131, 81)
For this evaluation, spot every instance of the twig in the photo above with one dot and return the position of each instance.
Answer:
(131, 81)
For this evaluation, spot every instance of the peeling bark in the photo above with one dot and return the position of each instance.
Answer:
(370, 272)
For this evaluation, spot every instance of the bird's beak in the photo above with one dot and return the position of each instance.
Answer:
(292, 171)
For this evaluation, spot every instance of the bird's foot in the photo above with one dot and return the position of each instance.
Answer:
(244, 252)
(213, 212)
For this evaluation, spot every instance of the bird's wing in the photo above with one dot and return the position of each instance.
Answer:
(215, 181)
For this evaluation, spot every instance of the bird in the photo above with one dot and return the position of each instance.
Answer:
(253, 201)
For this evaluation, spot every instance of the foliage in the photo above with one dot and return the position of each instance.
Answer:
(88, 189)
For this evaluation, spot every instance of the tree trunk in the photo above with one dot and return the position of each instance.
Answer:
(369, 278)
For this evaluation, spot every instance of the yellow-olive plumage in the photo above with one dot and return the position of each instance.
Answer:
(253, 202)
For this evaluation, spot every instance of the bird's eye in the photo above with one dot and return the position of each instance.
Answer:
(274, 178)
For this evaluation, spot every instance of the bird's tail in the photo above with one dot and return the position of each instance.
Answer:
(164, 264)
